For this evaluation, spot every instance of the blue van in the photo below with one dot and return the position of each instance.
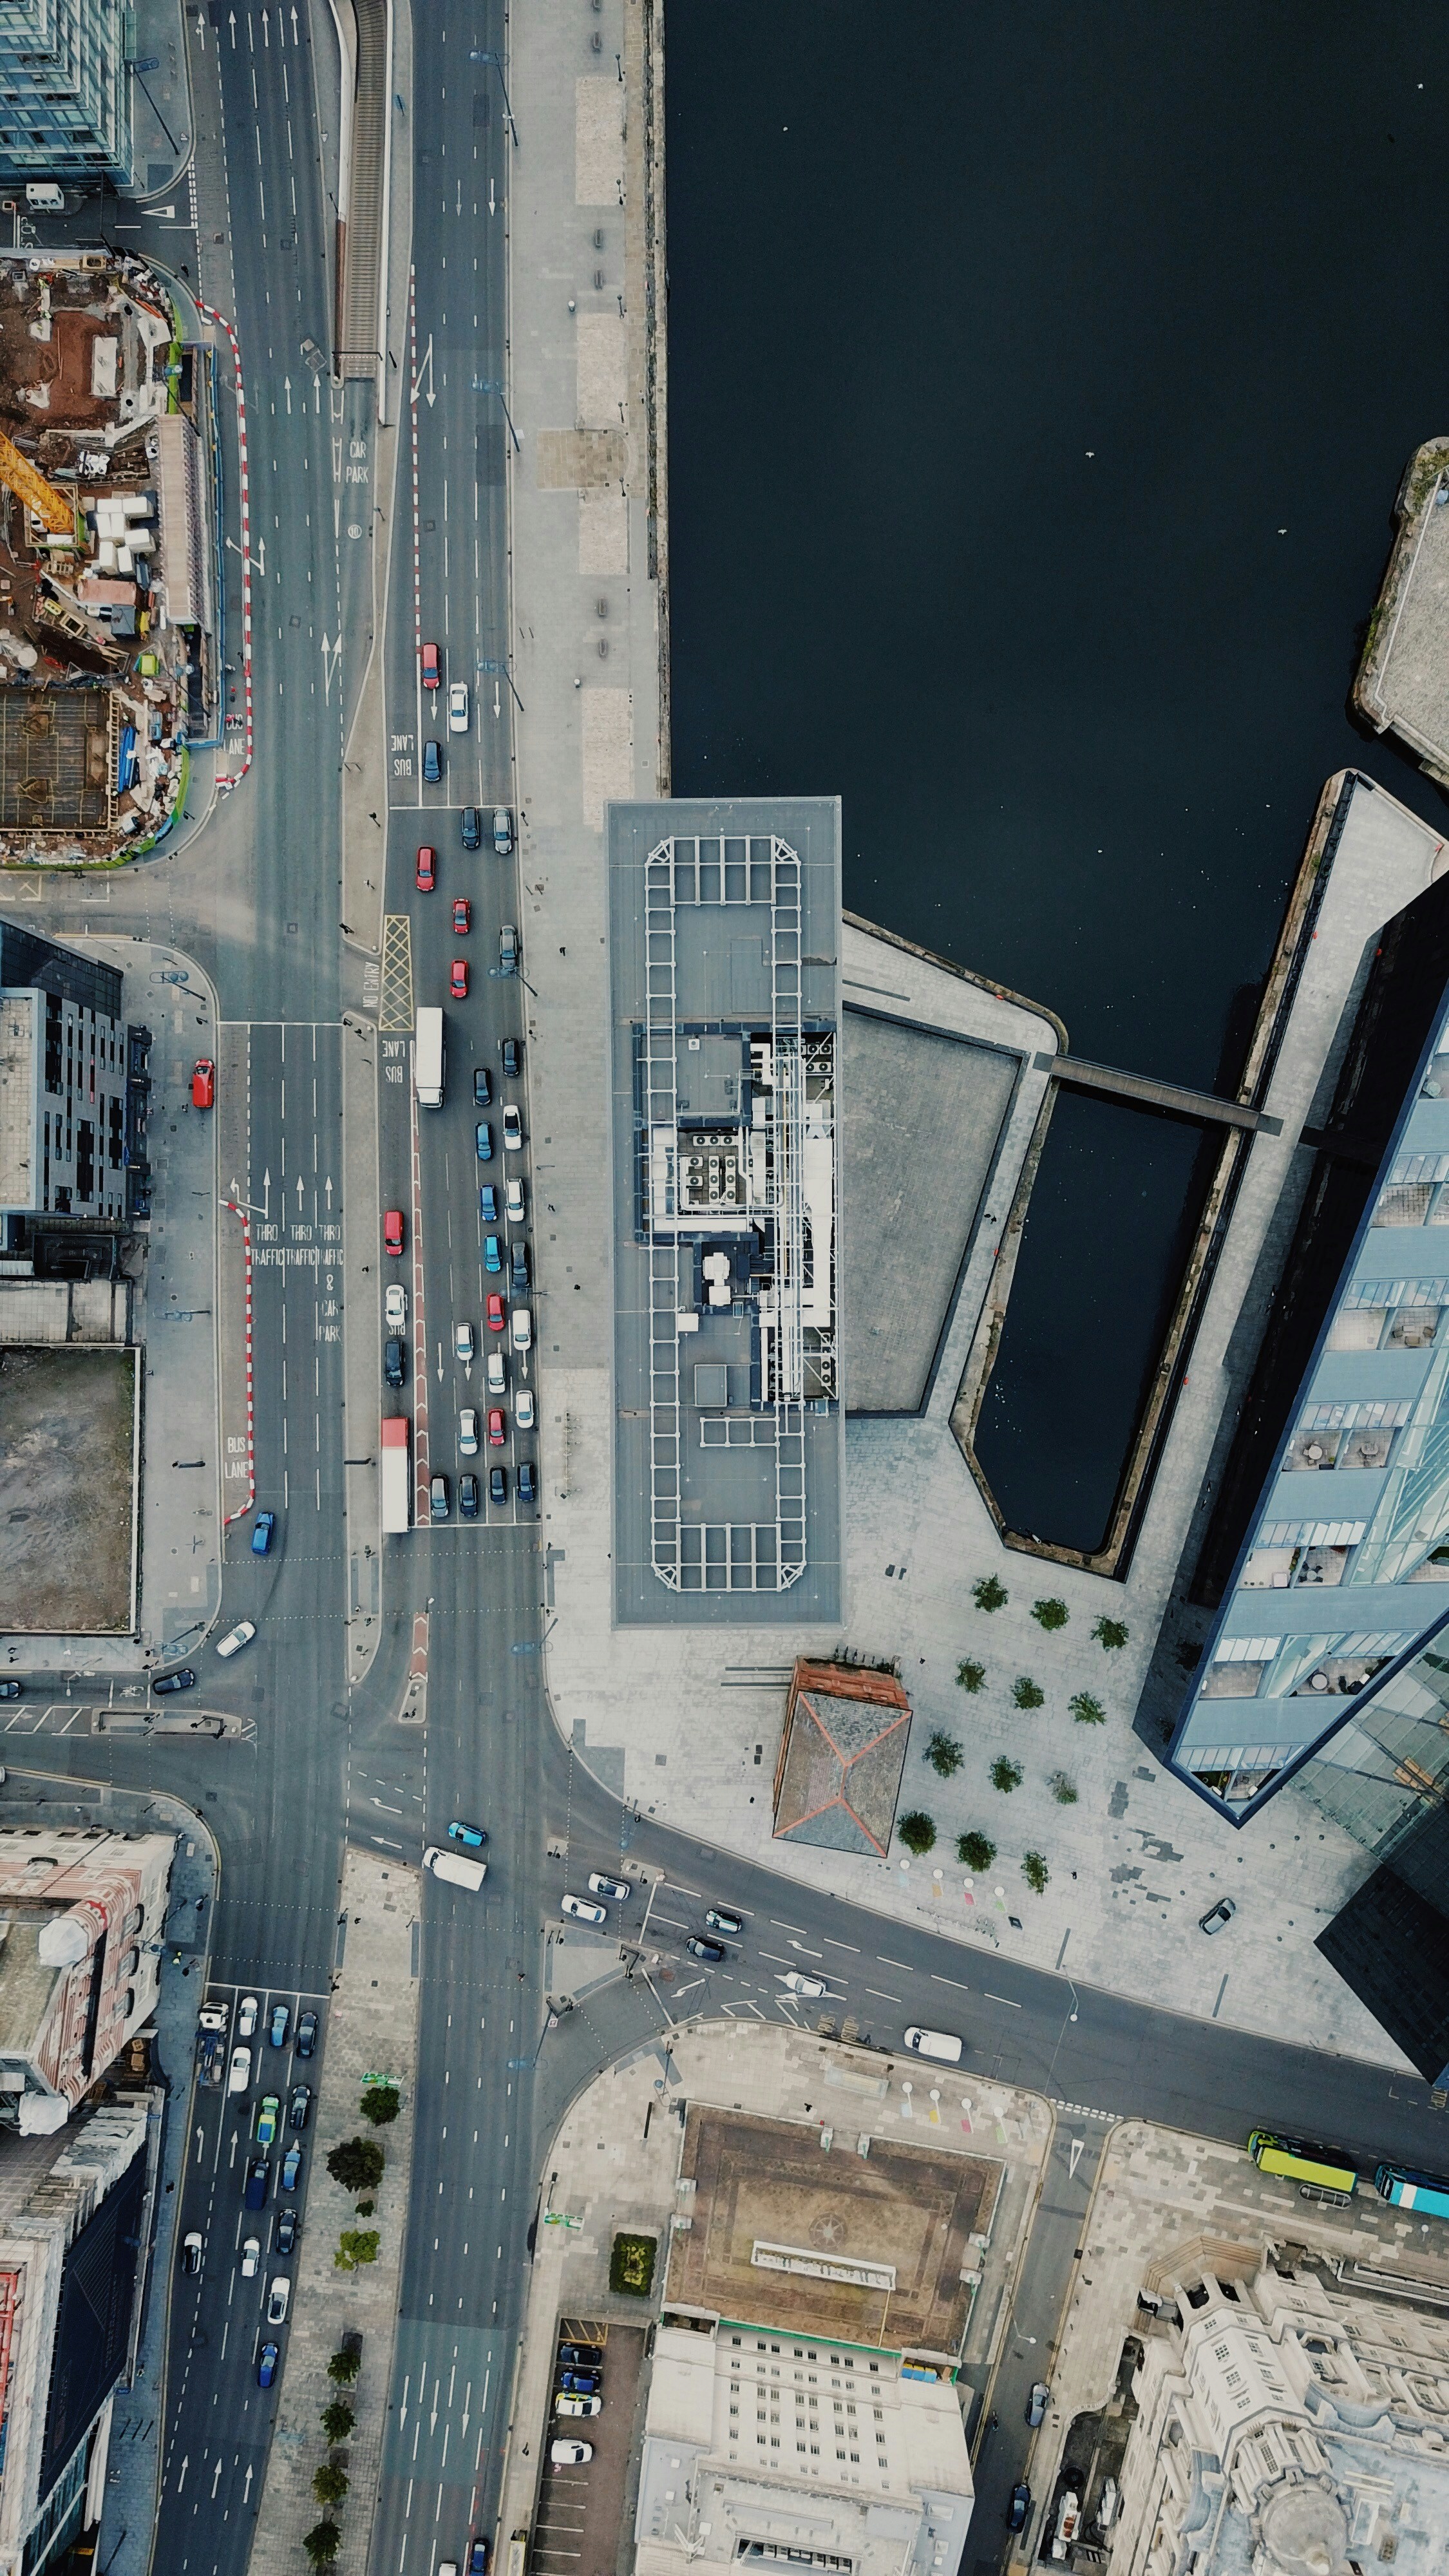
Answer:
(266, 1523)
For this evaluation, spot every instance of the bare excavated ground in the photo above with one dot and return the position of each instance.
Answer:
(67, 1417)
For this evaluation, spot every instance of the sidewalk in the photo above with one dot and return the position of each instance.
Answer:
(161, 117)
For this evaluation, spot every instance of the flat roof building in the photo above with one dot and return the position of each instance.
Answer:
(81, 1912)
(65, 93)
(62, 1082)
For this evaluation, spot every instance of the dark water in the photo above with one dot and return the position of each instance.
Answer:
(1004, 345)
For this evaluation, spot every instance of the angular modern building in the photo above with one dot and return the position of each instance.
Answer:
(65, 91)
(63, 1075)
(81, 1915)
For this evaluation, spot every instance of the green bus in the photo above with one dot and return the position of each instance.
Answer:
(1325, 2168)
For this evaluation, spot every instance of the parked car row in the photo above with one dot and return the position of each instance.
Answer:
(578, 2391)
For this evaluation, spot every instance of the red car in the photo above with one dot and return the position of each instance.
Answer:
(496, 1433)
(458, 979)
(432, 673)
(203, 1084)
(495, 1313)
(427, 865)
(462, 917)
(392, 1231)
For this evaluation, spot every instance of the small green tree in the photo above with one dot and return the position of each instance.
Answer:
(345, 2364)
(917, 1832)
(323, 2541)
(356, 2245)
(1063, 1789)
(1087, 1710)
(1110, 1633)
(1050, 1614)
(1026, 1693)
(975, 1851)
(970, 1676)
(329, 2483)
(380, 2104)
(1005, 1775)
(337, 2420)
(989, 1594)
(1035, 1871)
(357, 2164)
(943, 1754)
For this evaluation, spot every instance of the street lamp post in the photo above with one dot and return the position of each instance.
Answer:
(497, 62)
(488, 385)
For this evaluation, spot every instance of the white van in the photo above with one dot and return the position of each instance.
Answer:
(935, 2043)
(521, 1326)
(454, 1867)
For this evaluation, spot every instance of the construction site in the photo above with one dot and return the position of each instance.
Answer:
(107, 582)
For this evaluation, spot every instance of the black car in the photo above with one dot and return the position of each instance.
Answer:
(580, 2383)
(164, 1682)
(301, 2110)
(258, 2177)
(472, 828)
(286, 2236)
(432, 762)
(527, 1491)
(511, 1053)
(306, 2034)
(497, 1485)
(711, 1951)
(1018, 2509)
(518, 1266)
(15, 1690)
(580, 2356)
(482, 1087)
(393, 1368)
(468, 1498)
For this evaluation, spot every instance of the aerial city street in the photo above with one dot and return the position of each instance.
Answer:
(608, 1956)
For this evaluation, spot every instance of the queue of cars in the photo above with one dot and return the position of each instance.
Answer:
(578, 2392)
(279, 2118)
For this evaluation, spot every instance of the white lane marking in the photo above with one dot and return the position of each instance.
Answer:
(839, 1945)
(903, 1964)
(880, 1998)
(786, 1927)
(998, 1999)
(959, 1984)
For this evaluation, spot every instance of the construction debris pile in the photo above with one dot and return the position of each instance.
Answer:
(105, 579)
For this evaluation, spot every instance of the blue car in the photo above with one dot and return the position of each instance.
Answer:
(488, 1202)
(266, 2365)
(492, 1257)
(485, 1141)
(472, 1837)
(266, 1523)
(291, 2167)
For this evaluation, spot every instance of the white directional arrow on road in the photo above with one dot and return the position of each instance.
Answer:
(181, 2479)
(425, 368)
(231, 22)
(215, 2480)
(295, 38)
(327, 1187)
(266, 1194)
(266, 39)
(1074, 2154)
(247, 2483)
(440, 1363)
(331, 656)
(287, 390)
(299, 1194)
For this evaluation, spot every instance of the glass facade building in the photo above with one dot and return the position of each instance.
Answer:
(65, 92)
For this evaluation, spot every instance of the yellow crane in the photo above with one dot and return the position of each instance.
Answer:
(30, 486)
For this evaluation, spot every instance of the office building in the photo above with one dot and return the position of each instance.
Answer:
(65, 92)
(81, 1917)
(63, 1074)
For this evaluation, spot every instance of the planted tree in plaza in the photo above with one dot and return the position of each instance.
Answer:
(337, 2419)
(1087, 1710)
(989, 1594)
(380, 2103)
(1026, 1693)
(1110, 1633)
(1035, 1871)
(970, 1676)
(357, 2164)
(975, 1851)
(943, 1754)
(356, 2245)
(917, 1832)
(1050, 1614)
(1005, 1775)
(345, 2363)
(329, 2483)
(1063, 1789)
(323, 2541)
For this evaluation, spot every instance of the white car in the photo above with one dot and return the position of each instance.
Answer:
(801, 1985)
(279, 2294)
(512, 1128)
(583, 1910)
(618, 1890)
(251, 2258)
(240, 2073)
(570, 2455)
(237, 1637)
(578, 2406)
(523, 1409)
(462, 1341)
(497, 1373)
(213, 2016)
(395, 1308)
(521, 1326)
(458, 707)
(513, 1202)
(246, 2020)
(467, 1433)
(940, 2044)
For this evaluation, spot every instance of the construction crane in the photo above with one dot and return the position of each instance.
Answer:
(29, 485)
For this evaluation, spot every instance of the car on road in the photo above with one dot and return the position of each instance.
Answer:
(492, 1253)
(438, 1499)
(1219, 1916)
(518, 1266)
(468, 1432)
(432, 667)
(569, 2405)
(497, 1487)
(246, 2020)
(525, 1480)
(458, 707)
(472, 1837)
(513, 1201)
(427, 871)
(497, 1428)
(239, 2073)
(508, 949)
(251, 2255)
(203, 1083)
(300, 2109)
(478, 2558)
(458, 979)
(463, 1342)
(580, 2356)
(723, 1918)
(211, 2058)
(615, 1891)
(432, 762)
(483, 1141)
(395, 1308)
(235, 1638)
(268, 2114)
(267, 2360)
(1018, 2507)
(472, 828)
(583, 1910)
(462, 916)
(455, 1867)
(943, 2045)
(570, 2455)
(511, 1056)
(512, 1129)
(286, 2236)
(392, 1231)
(291, 2167)
(502, 830)
(799, 1983)
(280, 2025)
(523, 1410)
(213, 2016)
(488, 1203)
(307, 2034)
(710, 1951)
(191, 2251)
(393, 1368)
(1037, 2403)
(468, 1498)
(259, 2172)
(482, 1086)
(264, 1530)
(162, 1685)
(522, 1327)
(277, 2299)
(496, 1317)
(497, 1372)
(12, 1690)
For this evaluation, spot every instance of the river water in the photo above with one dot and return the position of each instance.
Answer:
(1040, 381)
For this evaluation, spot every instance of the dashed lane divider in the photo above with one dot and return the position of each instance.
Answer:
(244, 1508)
(209, 313)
